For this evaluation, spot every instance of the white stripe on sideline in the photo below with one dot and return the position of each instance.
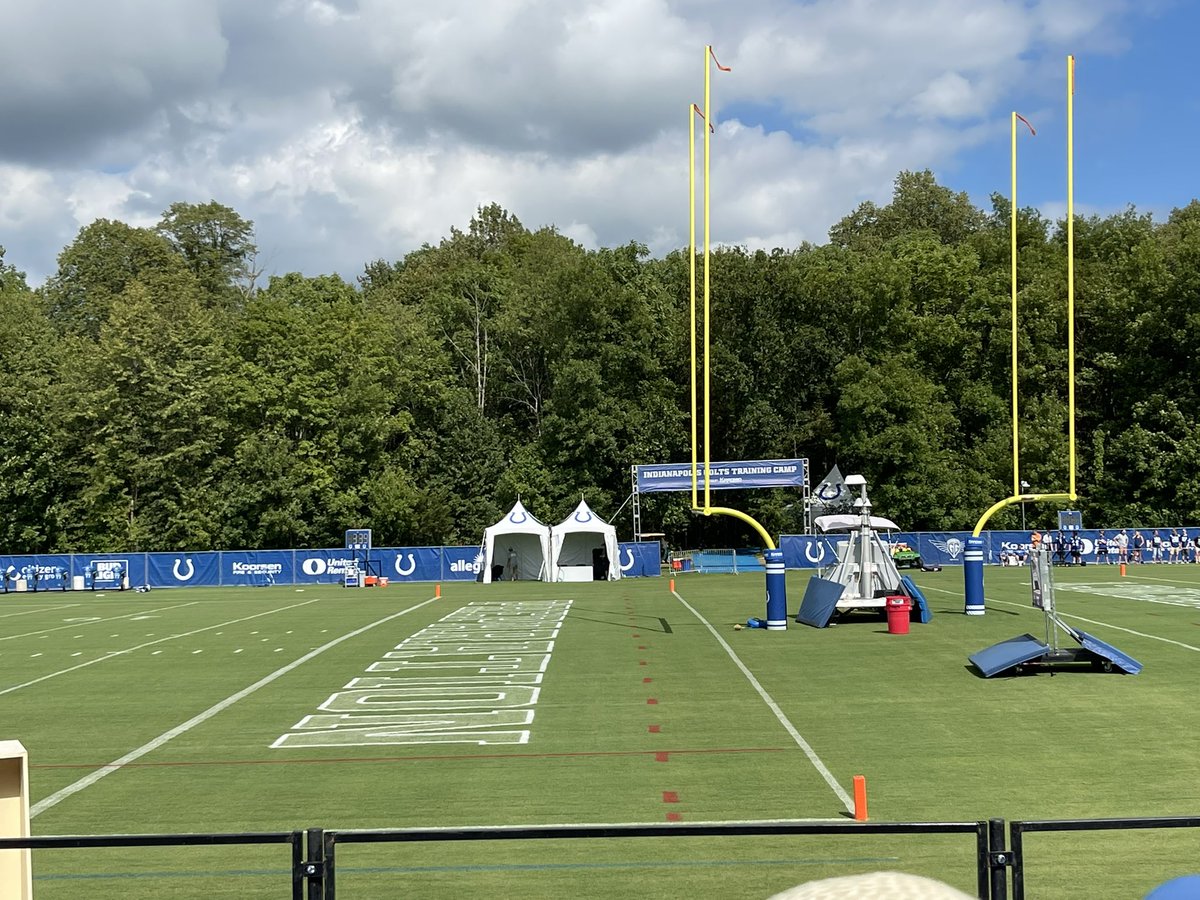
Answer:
(774, 707)
(43, 609)
(1152, 637)
(88, 780)
(170, 637)
(140, 612)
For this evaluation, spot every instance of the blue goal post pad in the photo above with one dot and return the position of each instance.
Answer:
(1008, 654)
(1126, 664)
(924, 613)
(820, 601)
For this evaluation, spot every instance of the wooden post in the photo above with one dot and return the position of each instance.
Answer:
(16, 873)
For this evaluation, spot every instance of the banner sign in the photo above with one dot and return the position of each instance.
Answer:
(67, 571)
(257, 568)
(461, 563)
(183, 569)
(723, 476)
(640, 559)
(408, 563)
(810, 551)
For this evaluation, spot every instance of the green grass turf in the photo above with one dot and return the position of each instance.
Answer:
(935, 741)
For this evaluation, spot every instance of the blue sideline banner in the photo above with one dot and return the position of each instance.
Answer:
(940, 548)
(461, 563)
(108, 572)
(326, 566)
(184, 569)
(410, 563)
(42, 573)
(251, 568)
(640, 559)
(723, 476)
(809, 551)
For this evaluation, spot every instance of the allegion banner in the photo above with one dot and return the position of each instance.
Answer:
(723, 476)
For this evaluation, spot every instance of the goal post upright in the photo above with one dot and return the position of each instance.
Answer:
(973, 559)
(776, 587)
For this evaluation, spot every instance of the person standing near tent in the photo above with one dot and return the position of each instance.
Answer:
(511, 565)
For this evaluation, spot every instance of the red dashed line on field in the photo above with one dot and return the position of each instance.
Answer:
(674, 817)
(647, 680)
(471, 757)
(655, 729)
(651, 701)
(662, 756)
(670, 797)
(642, 662)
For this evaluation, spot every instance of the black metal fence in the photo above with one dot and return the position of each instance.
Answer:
(313, 852)
(1018, 830)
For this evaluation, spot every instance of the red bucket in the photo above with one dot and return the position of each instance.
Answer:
(898, 609)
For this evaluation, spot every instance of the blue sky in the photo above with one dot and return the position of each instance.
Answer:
(353, 130)
(1137, 125)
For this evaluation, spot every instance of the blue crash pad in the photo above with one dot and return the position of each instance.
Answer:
(1007, 654)
(1125, 663)
(820, 601)
(924, 613)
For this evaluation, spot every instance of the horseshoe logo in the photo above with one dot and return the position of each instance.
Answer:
(808, 552)
(412, 564)
(836, 492)
(627, 566)
(191, 570)
(517, 521)
(586, 517)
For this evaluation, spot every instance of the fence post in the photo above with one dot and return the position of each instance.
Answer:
(314, 865)
(1018, 856)
(16, 875)
(998, 859)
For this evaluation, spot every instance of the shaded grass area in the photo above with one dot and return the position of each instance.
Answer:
(641, 700)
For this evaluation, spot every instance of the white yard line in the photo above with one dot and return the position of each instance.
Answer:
(43, 609)
(88, 780)
(1152, 637)
(1145, 577)
(140, 612)
(774, 707)
(170, 637)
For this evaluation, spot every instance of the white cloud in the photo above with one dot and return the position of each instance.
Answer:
(353, 130)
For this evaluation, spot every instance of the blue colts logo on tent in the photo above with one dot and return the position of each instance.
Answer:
(518, 518)
(830, 492)
(583, 517)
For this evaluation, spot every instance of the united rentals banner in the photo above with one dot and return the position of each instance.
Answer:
(723, 476)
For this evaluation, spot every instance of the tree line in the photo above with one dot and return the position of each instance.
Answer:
(155, 395)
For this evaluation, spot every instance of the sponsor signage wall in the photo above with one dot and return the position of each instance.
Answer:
(257, 568)
(938, 548)
(248, 568)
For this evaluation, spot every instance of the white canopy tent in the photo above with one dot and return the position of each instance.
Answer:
(519, 545)
(583, 547)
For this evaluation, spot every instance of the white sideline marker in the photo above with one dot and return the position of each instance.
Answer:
(88, 780)
(170, 637)
(774, 707)
(45, 609)
(46, 631)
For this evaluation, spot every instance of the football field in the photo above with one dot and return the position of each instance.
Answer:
(272, 709)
